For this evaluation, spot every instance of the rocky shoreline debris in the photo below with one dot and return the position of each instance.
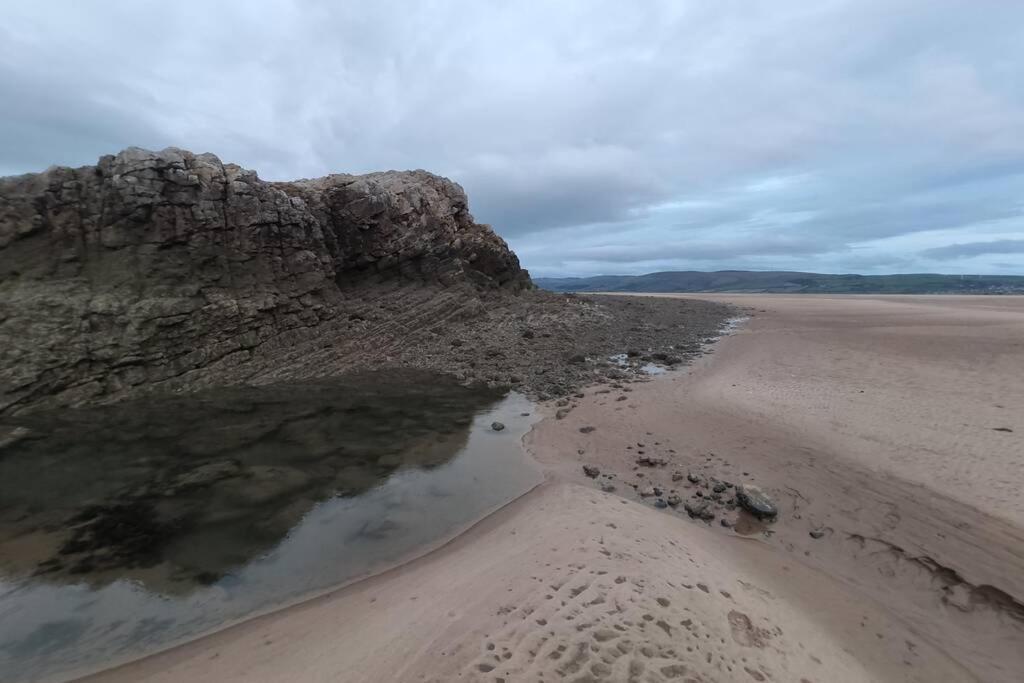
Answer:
(700, 497)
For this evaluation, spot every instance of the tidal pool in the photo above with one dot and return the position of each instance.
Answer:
(128, 528)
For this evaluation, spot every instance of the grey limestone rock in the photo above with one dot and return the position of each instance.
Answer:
(164, 267)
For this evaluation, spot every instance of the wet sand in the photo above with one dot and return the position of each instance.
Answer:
(889, 426)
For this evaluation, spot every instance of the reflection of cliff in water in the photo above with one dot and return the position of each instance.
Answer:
(177, 491)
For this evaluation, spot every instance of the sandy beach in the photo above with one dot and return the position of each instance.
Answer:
(887, 429)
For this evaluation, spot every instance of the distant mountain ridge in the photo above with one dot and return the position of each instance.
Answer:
(788, 282)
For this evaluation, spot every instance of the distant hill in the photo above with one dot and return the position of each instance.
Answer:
(783, 282)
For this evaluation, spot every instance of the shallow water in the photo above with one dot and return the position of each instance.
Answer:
(128, 528)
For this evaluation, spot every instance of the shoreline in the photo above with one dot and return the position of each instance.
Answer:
(906, 605)
(546, 409)
(625, 326)
(428, 548)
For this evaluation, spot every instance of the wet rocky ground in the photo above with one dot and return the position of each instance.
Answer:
(704, 489)
(550, 345)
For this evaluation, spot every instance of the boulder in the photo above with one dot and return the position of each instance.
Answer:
(756, 502)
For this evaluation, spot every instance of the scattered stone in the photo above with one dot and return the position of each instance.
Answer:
(561, 413)
(621, 398)
(497, 426)
(562, 402)
(660, 503)
(647, 491)
(1001, 429)
(756, 502)
(692, 478)
(817, 533)
(528, 334)
(587, 429)
(674, 500)
(727, 523)
(718, 488)
(607, 487)
(657, 491)
(648, 461)
(699, 510)
(677, 476)
(591, 471)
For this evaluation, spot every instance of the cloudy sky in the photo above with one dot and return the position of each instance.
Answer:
(596, 137)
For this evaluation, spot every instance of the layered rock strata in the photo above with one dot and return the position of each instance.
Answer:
(170, 267)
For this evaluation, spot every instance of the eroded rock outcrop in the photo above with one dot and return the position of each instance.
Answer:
(151, 266)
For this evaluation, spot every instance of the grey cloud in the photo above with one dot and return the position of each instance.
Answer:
(572, 126)
(58, 122)
(971, 249)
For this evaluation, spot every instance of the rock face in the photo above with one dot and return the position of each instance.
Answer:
(152, 266)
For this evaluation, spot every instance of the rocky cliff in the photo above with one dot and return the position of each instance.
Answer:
(171, 268)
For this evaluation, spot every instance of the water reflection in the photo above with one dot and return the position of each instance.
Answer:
(128, 527)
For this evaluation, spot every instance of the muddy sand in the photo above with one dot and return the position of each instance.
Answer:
(886, 429)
